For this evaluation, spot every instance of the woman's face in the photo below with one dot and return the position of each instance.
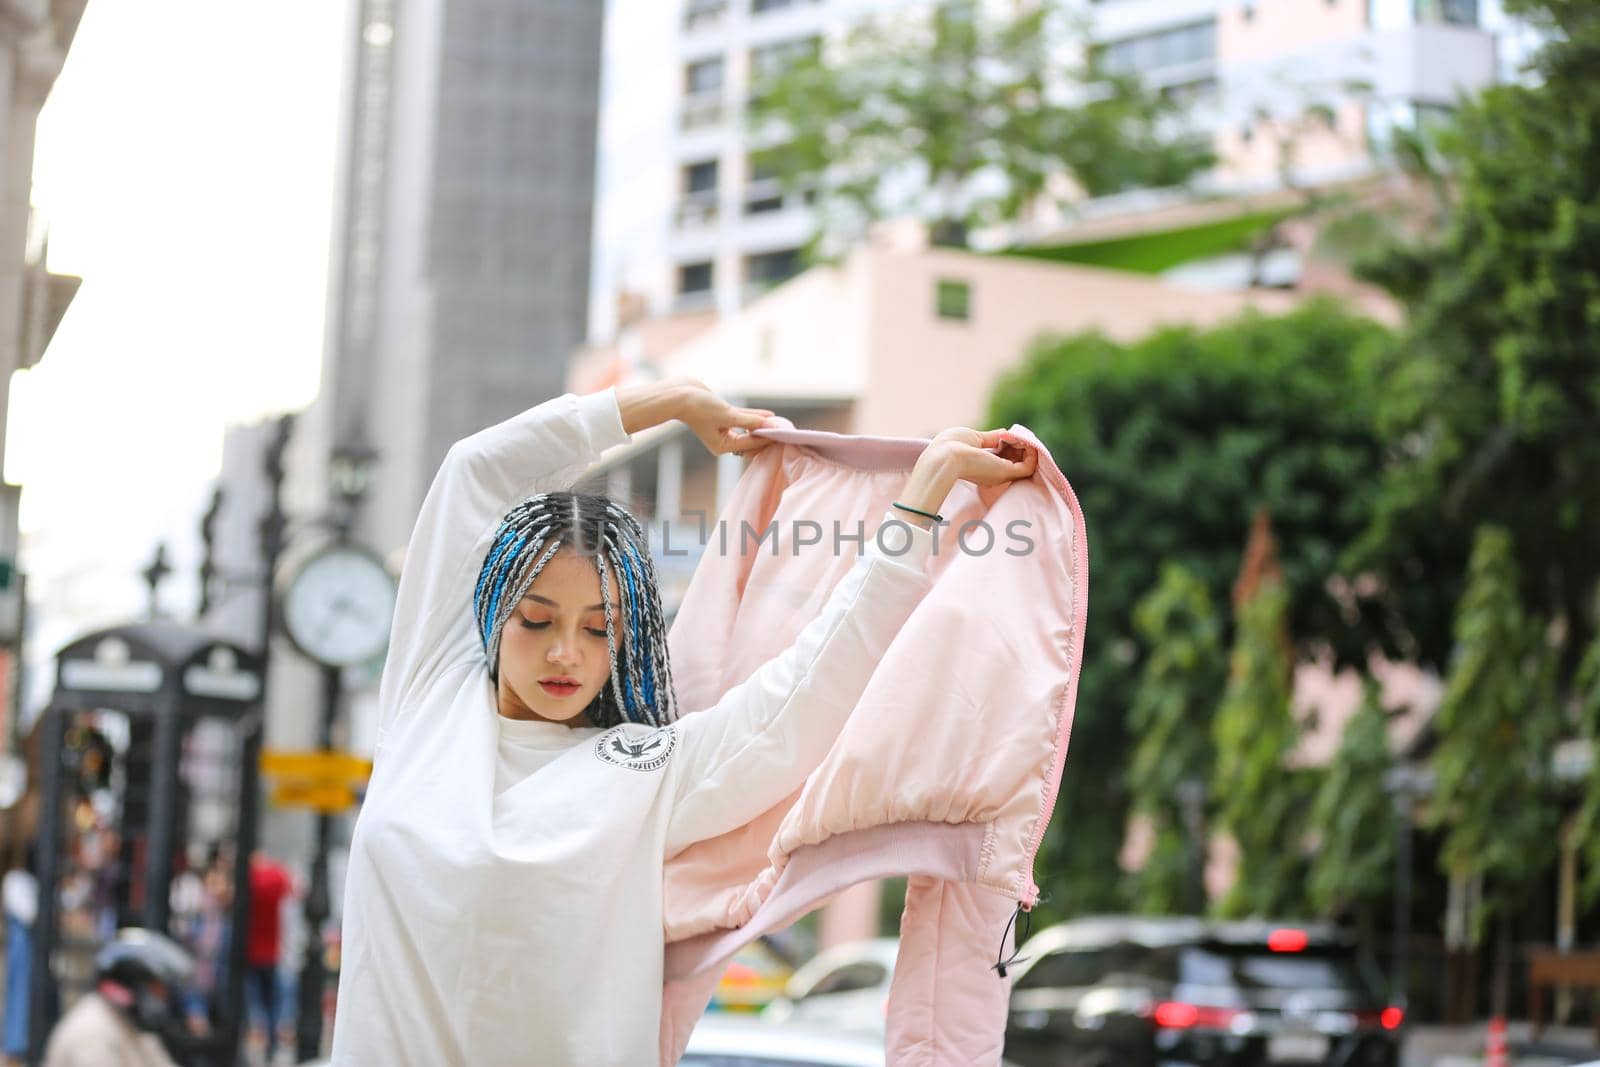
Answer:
(557, 634)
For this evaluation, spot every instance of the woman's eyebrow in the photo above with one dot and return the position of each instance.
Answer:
(551, 603)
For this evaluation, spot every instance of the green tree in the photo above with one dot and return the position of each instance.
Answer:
(1353, 819)
(1171, 720)
(1493, 399)
(1260, 799)
(1498, 724)
(963, 119)
(1172, 443)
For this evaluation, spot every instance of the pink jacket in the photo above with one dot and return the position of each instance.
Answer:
(946, 775)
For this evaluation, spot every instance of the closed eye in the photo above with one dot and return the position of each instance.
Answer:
(526, 625)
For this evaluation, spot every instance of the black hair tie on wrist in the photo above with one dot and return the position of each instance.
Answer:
(918, 511)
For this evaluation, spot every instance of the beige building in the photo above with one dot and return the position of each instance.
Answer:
(34, 37)
(898, 339)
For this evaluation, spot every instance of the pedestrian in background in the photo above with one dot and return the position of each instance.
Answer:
(270, 885)
(20, 892)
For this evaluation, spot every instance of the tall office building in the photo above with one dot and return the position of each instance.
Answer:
(459, 282)
(1258, 74)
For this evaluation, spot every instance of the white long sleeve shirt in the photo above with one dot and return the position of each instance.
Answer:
(503, 903)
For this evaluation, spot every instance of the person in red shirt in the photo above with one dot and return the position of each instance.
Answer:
(270, 885)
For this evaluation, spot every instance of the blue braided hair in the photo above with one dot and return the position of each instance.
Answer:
(599, 529)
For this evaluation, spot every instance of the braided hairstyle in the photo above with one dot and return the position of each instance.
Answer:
(596, 528)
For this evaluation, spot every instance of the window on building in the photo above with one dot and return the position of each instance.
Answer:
(700, 179)
(694, 278)
(760, 7)
(1449, 12)
(952, 299)
(1145, 53)
(703, 77)
(700, 14)
(770, 268)
(1189, 93)
(763, 205)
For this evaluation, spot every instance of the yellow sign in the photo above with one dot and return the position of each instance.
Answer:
(322, 781)
(319, 796)
(316, 766)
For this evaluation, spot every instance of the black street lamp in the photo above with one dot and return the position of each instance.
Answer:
(157, 572)
(1406, 785)
(350, 471)
(1192, 805)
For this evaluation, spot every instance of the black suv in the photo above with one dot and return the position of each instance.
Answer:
(1177, 992)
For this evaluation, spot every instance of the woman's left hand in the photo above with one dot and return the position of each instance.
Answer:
(721, 427)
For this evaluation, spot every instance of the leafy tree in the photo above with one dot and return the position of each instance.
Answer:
(1171, 720)
(1498, 724)
(1260, 799)
(1493, 399)
(963, 119)
(1353, 819)
(1172, 442)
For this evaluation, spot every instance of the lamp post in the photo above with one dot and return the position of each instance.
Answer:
(1406, 786)
(1192, 803)
(157, 572)
(350, 470)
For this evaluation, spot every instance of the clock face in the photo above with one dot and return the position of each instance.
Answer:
(338, 607)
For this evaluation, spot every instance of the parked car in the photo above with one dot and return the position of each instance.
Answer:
(1148, 992)
(846, 986)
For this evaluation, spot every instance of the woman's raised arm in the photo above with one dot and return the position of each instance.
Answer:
(544, 449)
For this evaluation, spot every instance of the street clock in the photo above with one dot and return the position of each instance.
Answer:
(338, 605)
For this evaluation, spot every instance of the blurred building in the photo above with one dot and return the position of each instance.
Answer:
(460, 261)
(34, 38)
(733, 232)
(458, 288)
(1301, 92)
(459, 280)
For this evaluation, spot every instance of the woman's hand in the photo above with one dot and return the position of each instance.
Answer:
(721, 426)
(992, 457)
(989, 459)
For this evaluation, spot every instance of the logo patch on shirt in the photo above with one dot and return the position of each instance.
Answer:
(645, 753)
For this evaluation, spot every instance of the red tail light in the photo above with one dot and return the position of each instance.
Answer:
(1389, 1018)
(1176, 1015)
(1287, 940)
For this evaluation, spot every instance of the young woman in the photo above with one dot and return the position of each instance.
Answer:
(503, 902)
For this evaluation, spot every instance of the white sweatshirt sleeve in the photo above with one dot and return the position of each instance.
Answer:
(544, 449)
(756, 745)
